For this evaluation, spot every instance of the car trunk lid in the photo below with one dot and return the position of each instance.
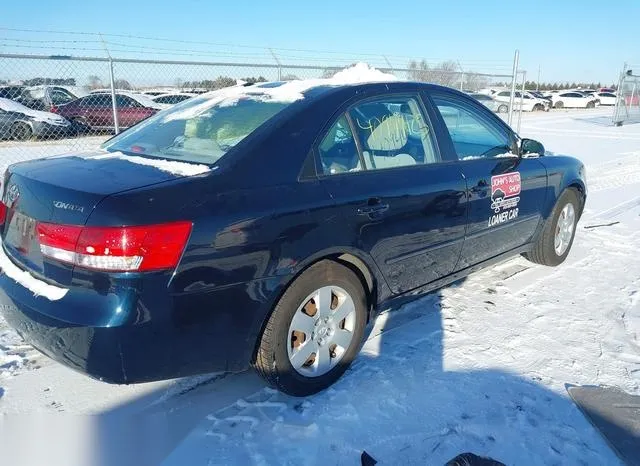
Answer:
(62, 191)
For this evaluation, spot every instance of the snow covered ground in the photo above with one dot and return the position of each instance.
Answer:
(480, 366)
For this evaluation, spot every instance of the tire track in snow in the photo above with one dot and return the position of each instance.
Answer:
(614, 174)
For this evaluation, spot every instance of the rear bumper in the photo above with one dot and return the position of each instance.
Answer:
(131, 335)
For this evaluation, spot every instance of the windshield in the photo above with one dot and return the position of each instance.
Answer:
(198, 130)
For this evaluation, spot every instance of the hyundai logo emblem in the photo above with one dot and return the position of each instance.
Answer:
(13, 193)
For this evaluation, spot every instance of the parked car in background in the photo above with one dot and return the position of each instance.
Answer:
(95, 111)
(155, 92)
(530, 103)
(540, 95)
(606, 98)
(11, 92)
(607, 89)
(491, 103)
(22, 123)
(161, 255)
(486, 91)
(44, 98)
(573, 99)
(172, 98)
(107, 90)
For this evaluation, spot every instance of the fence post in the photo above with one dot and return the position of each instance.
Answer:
(389, 64)
(617, 120)
(462, 80)
(114, 105)
(275, 57)
(514, 73)
(524, 76)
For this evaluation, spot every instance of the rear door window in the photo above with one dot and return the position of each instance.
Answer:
(97, 100)
(393, 132)
(60, 96)
(123, 101)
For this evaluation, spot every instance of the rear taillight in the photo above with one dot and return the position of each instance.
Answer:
(53, 109)
(3, 213)
(116, 249)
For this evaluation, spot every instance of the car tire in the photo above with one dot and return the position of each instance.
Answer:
(559, 104)
(562, 222)
(591, 105)
(538, 108)
(503, 109)
(81, 125)
(21, 131)
(297, 351)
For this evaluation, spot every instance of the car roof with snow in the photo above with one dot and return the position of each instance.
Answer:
(313, 90)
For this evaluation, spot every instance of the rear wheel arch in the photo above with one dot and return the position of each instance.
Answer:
(362, 267)
(300, 320)
(358, 261)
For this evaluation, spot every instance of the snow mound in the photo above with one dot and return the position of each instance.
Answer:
(362, 73)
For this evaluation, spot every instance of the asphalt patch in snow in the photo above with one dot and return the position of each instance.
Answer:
(616, 415)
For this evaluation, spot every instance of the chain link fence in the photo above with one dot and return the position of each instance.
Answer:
(627, 109)
(55, 104)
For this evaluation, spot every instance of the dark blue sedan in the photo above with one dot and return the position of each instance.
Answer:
(266, 225)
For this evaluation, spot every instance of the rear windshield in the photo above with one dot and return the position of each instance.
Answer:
(199, 130)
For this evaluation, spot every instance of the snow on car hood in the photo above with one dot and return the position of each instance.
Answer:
(46, 117)
(288, 92)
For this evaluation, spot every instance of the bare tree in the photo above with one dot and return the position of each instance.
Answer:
(474, 81)
(94, 82)
(445, 73)
(123, 84)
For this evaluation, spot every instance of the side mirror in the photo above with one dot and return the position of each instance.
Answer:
(531, 146)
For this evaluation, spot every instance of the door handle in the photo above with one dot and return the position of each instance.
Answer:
(481, 187)
(374, 208)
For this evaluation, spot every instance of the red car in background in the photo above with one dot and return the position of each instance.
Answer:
(632, 100)
(95, 111)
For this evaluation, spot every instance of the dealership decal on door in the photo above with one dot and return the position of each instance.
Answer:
(505, 196)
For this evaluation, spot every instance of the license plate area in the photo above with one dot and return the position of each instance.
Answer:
(22, 238)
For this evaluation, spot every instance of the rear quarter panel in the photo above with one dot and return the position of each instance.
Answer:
(258, 238)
